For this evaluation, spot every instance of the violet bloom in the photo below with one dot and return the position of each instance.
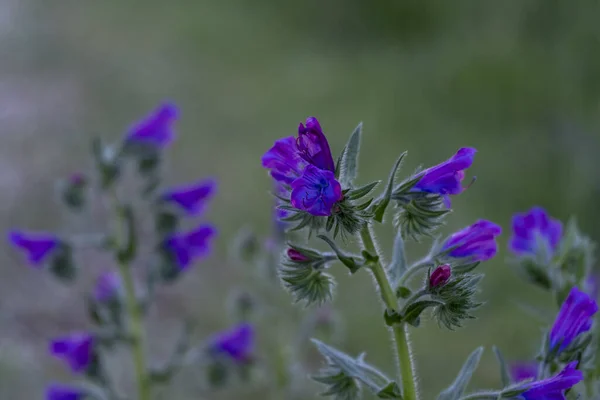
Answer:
(57, 391)
(76, 349)
(36, 246)
(528, 228)
(313, 145)
(553, 388)
(236, 343)
(440, 276)
(191, 198)
(477, 242)
(523, 370)
(574, 318)
(592, 285)
(156, 129)
(316, 191)
(284, 160)
(446, 178)
(108, 286)
(190, 246)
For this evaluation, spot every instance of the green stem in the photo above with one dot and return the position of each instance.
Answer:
(133, 310)
(416, 267)
(406, 368)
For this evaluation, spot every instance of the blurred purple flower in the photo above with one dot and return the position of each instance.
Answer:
(236, 343)
(76, 349)
(78, 179)
(553, 388)
(156, 129)
(313, 145)
(521, 371)
(440, 276)
(316, 191)
(36, 246)
(446, 178)
(284, 160)
(107, 286)
(190, 246)
(63, 392)
(592, 285)
(574, 318)
(191, 198)
(527, 227)
(477, 241)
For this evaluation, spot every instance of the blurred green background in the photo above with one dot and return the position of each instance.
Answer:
(518, 80)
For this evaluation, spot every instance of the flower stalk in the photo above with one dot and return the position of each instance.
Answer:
(405, 363)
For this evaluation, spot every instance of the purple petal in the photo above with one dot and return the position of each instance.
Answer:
(63, 392)
(36, 246)
(75, 349)
(313, 145)
(156, 129)
(316, 191)
(284, 161)
(107, 286)
(527, 227)
(477, 241)
(237, 343)
(554, 387)
(192, 198)
(446, 178)
(573, 319)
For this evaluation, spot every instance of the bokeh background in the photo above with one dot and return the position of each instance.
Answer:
(518, 80)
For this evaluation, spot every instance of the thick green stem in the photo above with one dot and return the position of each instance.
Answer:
(133, 310)
(406, 368)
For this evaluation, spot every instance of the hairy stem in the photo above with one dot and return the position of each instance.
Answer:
(133, 309)
(406, 368)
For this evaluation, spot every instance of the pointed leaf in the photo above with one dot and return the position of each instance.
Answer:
(458, 387)
(362, 191)
(413, 311)
(504, 374)
(348, 164)
(382, 204)
(398, 266)
(391, 391)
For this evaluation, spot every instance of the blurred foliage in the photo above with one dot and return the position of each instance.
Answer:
(518, 80)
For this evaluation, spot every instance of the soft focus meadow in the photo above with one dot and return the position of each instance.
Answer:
(518, 80)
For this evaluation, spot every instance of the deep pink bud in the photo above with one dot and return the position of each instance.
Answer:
(440, 275)
(295, 255)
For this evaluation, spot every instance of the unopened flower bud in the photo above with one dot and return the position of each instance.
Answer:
(440, 276)
(295, 255)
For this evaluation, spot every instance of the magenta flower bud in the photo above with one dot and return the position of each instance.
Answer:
(440, 275)
(295, 255)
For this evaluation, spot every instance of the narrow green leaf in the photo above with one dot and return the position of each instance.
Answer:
(128, 250)
(348, 164)
(362, 191)
(504, 374)
(413, 311)
(391, 391)
(458, 387)
(382, 204)
(348, 260)
(397, 267)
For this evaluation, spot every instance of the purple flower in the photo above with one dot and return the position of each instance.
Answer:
(477, 241)
(77, 179)
(284, 160)
(107, 286)
(523, 370)
(279, 214)
(190, 246)
(313, 145)
(553, 388)
(440, 275)
(76, 349)
(573, 319)
(316, 191)
(446, 178)
(237, 343)
(63, 392)
(528, 227)
(592, 285)
(191, 198)
(36, 246)
(156, 129)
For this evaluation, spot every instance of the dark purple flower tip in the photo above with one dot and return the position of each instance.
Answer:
(446, 178)
(574, 318)
(553, 388)
(108, 286)
(477, 241)
(440, 275)
(36, 246)
(237, 343)
(316, 191)
(295, 255)
(57, 391)
(191, 198)
(529, 227)
(190, 246)
(77, 179)
(313, 145)
(521, 371)
(156, 129)
(76, 349)
(284, 160)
